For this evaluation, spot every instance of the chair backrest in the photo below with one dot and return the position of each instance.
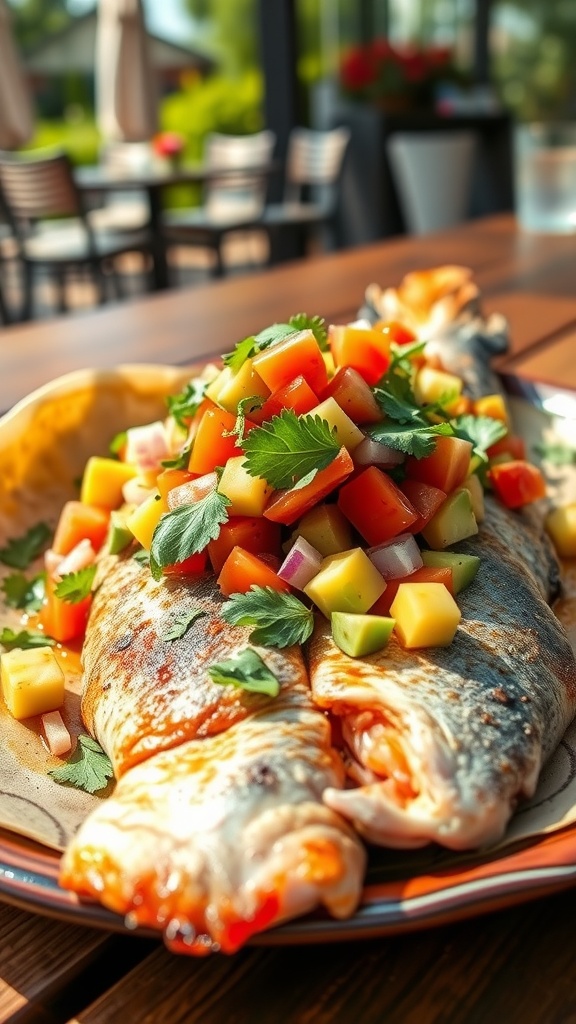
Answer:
(315, 160)
(432, 173)
(240, 193)
(35, 188)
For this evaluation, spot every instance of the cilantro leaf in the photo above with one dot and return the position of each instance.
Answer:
(244, 350)
(244, 408)
(21, 592)
(117, 443)
(187, 530)
(179, 461)
(141, 556)
(181, 624)
(21, 551)
(247, 671)
(26, 640)
(409, 438)
(75, 586)
(482, 431)
(184, 405)
(272, 335)
(289, 447)
(89, 768)
(281, 619)
(395, 397)
(303, 322)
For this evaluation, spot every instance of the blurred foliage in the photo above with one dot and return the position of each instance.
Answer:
(33, 20)
(79, 138)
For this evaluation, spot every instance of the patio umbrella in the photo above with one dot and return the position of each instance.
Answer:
(125, 96)
(16, 115)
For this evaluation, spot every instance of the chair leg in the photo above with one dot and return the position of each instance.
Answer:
(218, 268)
(27, 310)
(4, 314)
(59, 278)
(98, 276)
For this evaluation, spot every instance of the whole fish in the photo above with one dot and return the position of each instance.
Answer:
(216, 828)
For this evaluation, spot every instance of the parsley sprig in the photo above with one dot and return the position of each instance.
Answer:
(289, 448)
(187, 530)
(20, 552)
(280, 619)
(247, 671)
(89, 768)
(75, 586)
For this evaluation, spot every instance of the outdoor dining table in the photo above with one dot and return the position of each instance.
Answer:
(154, 179)
(516, 962)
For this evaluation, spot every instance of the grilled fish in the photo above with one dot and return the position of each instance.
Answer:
(443, 743)
(216, 828)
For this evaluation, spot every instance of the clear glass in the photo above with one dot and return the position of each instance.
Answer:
(545, 162)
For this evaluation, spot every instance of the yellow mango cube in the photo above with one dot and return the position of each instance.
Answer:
(32, 681)
(346, 582)
(561, 526)
(247, 493)
(431, 385)
(246, 383)
(347, 433)
(103, 481)
(491, 405)
(220, 380)
(326, 528)
(145, 518)
(426, 615)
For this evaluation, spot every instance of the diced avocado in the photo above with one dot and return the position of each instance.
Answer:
(464, 567)
(119, 536)
(358, 635)
(454, 521)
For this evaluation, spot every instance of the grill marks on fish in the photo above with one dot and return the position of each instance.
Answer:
(474, 720)
(216, 828)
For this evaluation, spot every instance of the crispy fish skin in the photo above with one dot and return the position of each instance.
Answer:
(216, 829)
(444, 742)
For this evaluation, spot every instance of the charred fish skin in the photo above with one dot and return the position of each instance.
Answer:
(474, 721)
(216, 828)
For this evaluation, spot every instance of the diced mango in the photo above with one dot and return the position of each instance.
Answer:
(247, 493)
(32, 681)
(246, 383)
(346, 582)
(103, 481)
(454, 521)
(561, 526)
(347, 433)
(431, 385)
(426, 615)
(491, 405)
(145, 518)
(326, 528)
(221, 380)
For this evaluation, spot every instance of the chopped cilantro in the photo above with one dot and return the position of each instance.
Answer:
(178, 461)
(21, 551)
(289, 447)
(75, 586)
(24, 593)
(25, 639)
(118, 442)
(187, 530)
(410, 438)
(89, 768)
(185, 404)
(556, 452)
(244, 408)
(181, 624)
(482, 431)
(247, 671)
(280, 619)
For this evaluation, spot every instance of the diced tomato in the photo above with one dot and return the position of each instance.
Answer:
(189, 566)
(395, 331)
(353, 395)
(211, 447)
(253, 533)
(77, 522)
(376, 506)
(62, 620)
(427, 574)
(297, 395)
(517, 483)
(242, 569)
(298, 355)
(171, 478)
(512, 445)
(446, 468)
(364, 349)
(287, 506)
(425, 499)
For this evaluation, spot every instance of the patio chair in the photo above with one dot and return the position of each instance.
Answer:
(51, 228)
(232, 203)
(311, 192)
(433, 175)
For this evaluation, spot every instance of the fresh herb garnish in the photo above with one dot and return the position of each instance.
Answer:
(181, 624)
(556, 452)
(118, 442)
(247, 671)
(89, 768)
(187, 530)
(244, 408)
(26, 594)
(289, 447)
(303, 322)
(21, 551)
(272, 335)
(185, 404)
(25, 639)
(75, 586)
(482, 431)
(179, 461)
(409, 438)
(141, 556)
(280, 619)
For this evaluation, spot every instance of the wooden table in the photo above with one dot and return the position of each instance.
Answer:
(514, 965)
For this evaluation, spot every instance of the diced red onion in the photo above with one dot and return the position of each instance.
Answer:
(58, 738)
(301, 564)
(80, 557)
(373, 453)
(51, 562)
(146, 446)
(397, 557)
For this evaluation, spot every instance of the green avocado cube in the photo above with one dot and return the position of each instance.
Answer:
(358, 635)
(454, 521)
(119, 536)
(464, 567)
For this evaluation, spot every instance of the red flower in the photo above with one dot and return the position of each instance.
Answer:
(168, 144)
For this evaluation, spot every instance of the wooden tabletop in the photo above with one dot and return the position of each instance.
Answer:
(514, 965)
